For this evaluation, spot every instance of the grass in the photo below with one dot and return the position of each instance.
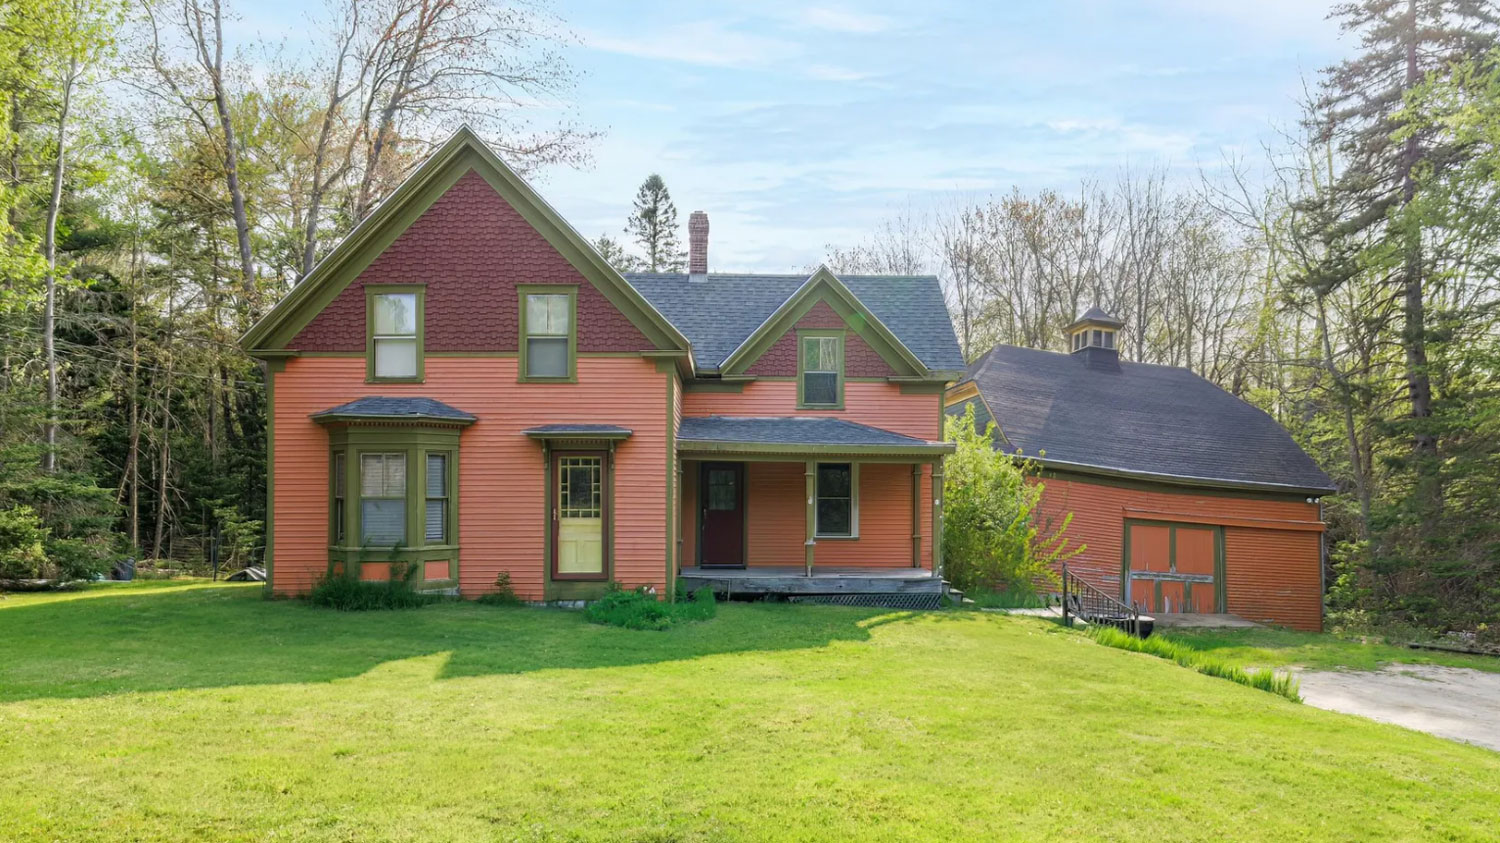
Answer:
(987, 599)
(1274, 681)
(1283, 648)
(203, 712)
(640, 610)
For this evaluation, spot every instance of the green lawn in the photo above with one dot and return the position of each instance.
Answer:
(1288, 648)
(202, 712)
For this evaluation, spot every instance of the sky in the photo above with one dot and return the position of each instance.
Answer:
(796, 125)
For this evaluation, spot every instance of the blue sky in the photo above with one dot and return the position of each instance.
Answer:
(796, 125)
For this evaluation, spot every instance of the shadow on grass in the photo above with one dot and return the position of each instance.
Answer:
(126, 640)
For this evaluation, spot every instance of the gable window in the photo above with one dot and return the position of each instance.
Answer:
(548, 336)
(821, 374)
(838, 500)
(395, 329)
(382, 499)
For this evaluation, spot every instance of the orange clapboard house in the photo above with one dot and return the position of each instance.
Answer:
(1184, 497)
(464, 389)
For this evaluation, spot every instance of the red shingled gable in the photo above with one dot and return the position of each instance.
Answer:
(471, 249)
(860, 360)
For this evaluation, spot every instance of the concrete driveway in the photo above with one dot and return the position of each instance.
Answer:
(1450, 702)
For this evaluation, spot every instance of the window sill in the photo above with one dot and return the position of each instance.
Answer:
(820, 406)
(394, 380)
(428, 548)
(835, 538)
(570, 379)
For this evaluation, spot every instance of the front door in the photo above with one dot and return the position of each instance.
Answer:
(721, 490)
(580, 512)
(1173, 568)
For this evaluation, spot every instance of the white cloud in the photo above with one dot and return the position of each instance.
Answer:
(709, 43)
(844, 20)
(835, 73)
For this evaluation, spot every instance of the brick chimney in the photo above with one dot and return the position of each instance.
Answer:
(698, 246)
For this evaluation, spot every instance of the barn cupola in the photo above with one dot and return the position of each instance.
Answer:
(1093, 336)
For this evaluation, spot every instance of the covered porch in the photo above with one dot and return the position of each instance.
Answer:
(808, 506)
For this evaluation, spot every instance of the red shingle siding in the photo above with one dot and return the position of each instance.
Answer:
(860, 360)
(1270, 575)
(471, 249)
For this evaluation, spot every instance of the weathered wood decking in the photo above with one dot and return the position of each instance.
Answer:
(792, 580)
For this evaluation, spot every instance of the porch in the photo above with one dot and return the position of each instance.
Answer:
(909, 587)
(812, 508)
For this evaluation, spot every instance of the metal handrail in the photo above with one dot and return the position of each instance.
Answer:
(1083, 600)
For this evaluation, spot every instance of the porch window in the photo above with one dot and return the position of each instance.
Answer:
(437, 499)
(822, 371)
(838, 500)
(548, 341)
(395, 347)
(382, 499)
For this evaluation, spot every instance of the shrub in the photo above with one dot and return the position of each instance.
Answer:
(21, 538)
(1283, 684)
(503, 595)
(639, 609)
(347, 593)
(993, 534)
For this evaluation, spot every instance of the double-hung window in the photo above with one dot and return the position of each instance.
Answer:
(382, 499)
(547, 344)
(436, 530)
(837, 507)
(821, 371)
(395, 336)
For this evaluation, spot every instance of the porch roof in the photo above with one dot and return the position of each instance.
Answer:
(799, 435)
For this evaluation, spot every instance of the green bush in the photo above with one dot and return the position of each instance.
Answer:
(21, 539)
(347, 593)
(994, 537)
(503, 595)
(1283, 684)
(639, 609)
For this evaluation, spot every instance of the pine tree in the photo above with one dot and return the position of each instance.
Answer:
(1363, 114)
(615, 254)
(653, 223)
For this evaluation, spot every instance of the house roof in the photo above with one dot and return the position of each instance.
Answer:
(1162, 422)
(1096, 315)
(797, 433)
(381, 408)
(721, 312)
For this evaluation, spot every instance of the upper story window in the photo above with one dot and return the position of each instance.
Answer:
(820, 373)
(395, 330)
(549, 340)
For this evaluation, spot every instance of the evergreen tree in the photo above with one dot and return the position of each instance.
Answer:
(653, 223)
(615, 254)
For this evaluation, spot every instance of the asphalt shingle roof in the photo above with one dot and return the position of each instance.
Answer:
(376, 406)
(1147, 419)
(609, 430)
(718, 314)
(790, 430)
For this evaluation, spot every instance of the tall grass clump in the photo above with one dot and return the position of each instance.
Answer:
(1282, 684)
(639, 609)
(347, 593)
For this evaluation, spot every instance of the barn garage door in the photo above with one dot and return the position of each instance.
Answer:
(1173, 567)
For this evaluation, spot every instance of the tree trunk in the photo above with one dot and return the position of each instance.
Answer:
(49, 251)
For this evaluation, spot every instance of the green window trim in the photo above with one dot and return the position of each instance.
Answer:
(348, 447)
(372, 291)
(523, 292)
(807, 341)
(853, 498)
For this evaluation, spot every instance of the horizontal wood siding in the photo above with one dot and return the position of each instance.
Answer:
(777, 513)
(1278, 570)
(502, 512)
(877, 404)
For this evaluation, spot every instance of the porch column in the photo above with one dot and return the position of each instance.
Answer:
(937, 517)
(916, 515)
(677, 515)
(812, 513)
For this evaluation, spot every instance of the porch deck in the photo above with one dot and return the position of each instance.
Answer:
(828, 580)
